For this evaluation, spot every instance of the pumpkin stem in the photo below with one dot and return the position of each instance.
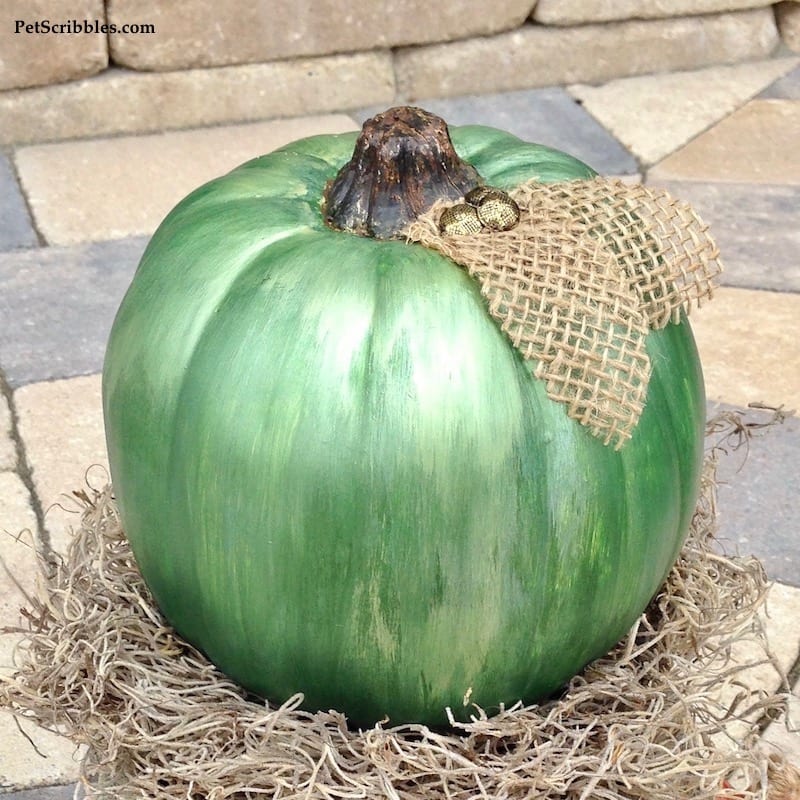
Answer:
(403, 162)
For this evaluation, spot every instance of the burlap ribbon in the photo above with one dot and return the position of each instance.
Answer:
(577, 284)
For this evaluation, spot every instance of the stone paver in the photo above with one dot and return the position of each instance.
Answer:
(61, 423)
(756, 144)
(757, 493)
(244, 31)
(547, 116)
(57, 305)
(16, 229)
(578, 12)
(788, 17)
(786, 88)
(757, 228)
(109, 188)
(8, 450)
(654, 115)
(777, 618)
(748, 345)
(124, 101)
(31, 58)
(20, 764)
(536, 56)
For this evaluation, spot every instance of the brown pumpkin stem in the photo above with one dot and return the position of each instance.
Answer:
(402, 164)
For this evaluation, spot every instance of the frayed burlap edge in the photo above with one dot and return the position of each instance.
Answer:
(589, 269)
(651, 720)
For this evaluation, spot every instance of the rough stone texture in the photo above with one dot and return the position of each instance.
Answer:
(57, 305)
(748, 346)
(788, 18)
(755, 226)
(110, 188)
(61, 423)
(547, 116)
(757, 493)
(538, 56)
(45, 793)
(8, 452)
(654, 115)
(756, 144)
(20, 764)
(16, 229)
(777, 619)
(122, 101)
(34, 59)
(786, 88)
(577, 12)
(197, 33)
(786, 739)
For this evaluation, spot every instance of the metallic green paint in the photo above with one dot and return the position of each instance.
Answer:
(338, 476)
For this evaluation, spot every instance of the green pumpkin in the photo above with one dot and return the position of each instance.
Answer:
(340, 478)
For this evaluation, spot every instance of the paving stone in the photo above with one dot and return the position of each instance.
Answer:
(787, 15)
(16, 229)
(755, 144)
(32, 58)
(547, 116)
(748, 345)
(785, 88)
(57, 305)
(45, 793)
(20, 764)
(578, 12)
(244, 31)
(654, 115)
(756, 228)
(778, 621)
(758, 489)
(537, 55)
(8, 452)
(124, 101)
(783, 738)
(61, 423)
(109, 188)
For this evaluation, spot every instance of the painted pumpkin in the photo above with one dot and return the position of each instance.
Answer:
(340, 478)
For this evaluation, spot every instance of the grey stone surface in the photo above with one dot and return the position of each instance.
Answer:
(757, 497)
(756, 227)
(547, 116)
(16, 229)
(57, 306)
(785, 88)
(43, 793)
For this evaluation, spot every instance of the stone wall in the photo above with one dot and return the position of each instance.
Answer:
(71, 68)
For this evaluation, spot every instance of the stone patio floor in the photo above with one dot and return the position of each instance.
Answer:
(75, 217)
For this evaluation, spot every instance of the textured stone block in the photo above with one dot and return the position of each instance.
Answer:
(50, 41)
(8, 452)
(61, 423)
(20, 763)
(788, 17)
(756, 144)
(57, 305)
(16, 229)
(204, 33)
(654, 115)
(121, 101)
(577, 12)
(110, 188)
(535, 55)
